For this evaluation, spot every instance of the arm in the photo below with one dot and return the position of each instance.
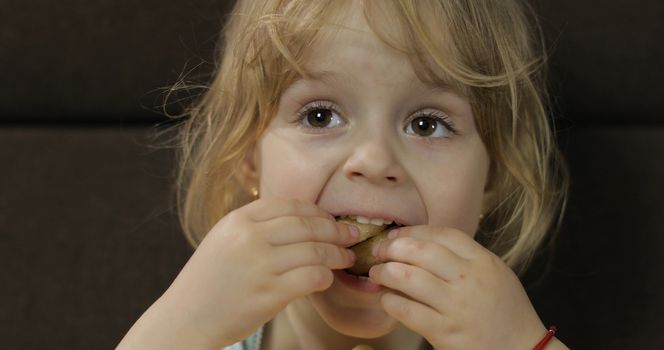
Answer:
(298, 244)
(157, 328)
(556, 344)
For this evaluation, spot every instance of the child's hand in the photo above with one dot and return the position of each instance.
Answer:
(454, 292)
(253, 263)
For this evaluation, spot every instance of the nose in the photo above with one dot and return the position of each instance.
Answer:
(375, 162)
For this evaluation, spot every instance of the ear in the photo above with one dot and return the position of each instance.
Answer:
(248, 174)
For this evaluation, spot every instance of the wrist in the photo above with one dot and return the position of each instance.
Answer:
(546, 340)
(556, 344)
(161, 327)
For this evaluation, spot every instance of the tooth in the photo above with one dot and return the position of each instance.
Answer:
(363, 278)
(377, 222)
(365, 220)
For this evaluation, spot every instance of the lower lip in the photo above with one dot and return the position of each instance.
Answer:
(356, 283)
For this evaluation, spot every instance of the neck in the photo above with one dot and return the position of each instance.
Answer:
(300, 327)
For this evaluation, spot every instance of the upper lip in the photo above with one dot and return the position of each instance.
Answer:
(398, 219)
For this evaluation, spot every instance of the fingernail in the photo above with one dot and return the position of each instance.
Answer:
(354, 231)
(374, 249)
(371, 272)
(393, 234)
(351, 254)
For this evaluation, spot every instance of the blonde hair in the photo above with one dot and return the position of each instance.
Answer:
(489, 50)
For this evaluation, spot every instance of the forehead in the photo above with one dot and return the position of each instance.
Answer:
(347, 53)
(379, 47)
(359, 71)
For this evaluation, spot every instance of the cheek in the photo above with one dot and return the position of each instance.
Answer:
(289, 171)
(457, 193)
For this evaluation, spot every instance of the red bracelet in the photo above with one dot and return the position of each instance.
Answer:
(547, 337)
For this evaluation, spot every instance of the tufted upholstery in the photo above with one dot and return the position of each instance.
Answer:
(88, 234)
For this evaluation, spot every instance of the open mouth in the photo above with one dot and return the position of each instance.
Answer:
(371, 232)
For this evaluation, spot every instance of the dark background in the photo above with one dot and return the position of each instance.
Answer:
(88, 233)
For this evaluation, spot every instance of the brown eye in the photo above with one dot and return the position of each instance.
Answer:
(319, 118)
(429, 126)
(423, 126)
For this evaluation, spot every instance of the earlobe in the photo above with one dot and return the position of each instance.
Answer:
(247, 173)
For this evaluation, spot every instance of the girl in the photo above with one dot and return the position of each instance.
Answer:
(426, 113)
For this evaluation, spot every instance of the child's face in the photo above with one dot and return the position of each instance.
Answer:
(366, 147)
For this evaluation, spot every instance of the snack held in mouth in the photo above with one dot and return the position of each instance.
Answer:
(370, 234)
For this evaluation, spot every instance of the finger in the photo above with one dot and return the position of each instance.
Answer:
(293, 229)
(419, 318)
(455, 240)
(429, 255)
(269, 208)
(304, 281)
(416, 283)
(297, 255)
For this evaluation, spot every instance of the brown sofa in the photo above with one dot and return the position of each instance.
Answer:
(88, 232)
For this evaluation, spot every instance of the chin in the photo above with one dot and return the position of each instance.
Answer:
(366, 322)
